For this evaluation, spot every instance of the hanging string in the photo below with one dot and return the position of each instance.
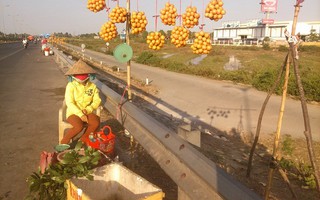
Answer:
(108, 9)
(190, 2)
(156, 17)
(180, 15)
(156, 22)
(117, 2)
(121, 103)
(203, 14)
(138, 5)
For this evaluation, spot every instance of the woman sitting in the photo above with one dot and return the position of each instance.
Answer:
(82, 98)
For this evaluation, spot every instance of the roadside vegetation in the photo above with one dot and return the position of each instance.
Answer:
(259, 65)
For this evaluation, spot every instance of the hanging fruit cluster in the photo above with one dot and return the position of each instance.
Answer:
(202, 43)
(214, 10)
(179, 36)
(96, 5)
(118, 15)
(138, 22)
(155, 40)
(169, 14)
(190, 18)
(108, 31)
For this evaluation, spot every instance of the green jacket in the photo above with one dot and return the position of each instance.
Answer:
(79, 97)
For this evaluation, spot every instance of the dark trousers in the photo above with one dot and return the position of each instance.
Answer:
(78, 125)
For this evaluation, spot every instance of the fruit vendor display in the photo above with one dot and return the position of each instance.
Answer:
(118, 15)
(108, 31)
(96, 5)
(179, 36)
(190, 18)
(169, 14)
(202, 43)
(155, 40)
(214, 10)
(138, 22)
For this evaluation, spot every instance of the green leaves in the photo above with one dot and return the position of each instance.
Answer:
(78, 146)
(84, 159)
(78, 162)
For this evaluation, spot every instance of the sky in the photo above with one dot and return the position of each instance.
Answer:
(72, 16)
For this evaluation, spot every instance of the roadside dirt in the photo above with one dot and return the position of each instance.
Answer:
(229, 153)
(227, 149)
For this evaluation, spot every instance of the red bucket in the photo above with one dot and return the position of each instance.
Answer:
(104, 140)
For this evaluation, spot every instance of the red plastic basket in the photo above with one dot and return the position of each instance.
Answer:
(104, 140)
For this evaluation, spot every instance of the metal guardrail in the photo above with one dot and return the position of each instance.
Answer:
(196, 176)
(62, 59)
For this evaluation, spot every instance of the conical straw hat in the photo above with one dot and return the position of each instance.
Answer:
(80, 67)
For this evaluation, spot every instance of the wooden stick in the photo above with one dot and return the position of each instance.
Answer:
(277, 136)
(285, 177)
(275, 85)
(307, 131)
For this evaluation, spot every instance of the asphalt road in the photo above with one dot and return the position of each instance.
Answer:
(31, 93)
(210, 104)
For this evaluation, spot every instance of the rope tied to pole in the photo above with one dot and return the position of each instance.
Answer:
(121, 103)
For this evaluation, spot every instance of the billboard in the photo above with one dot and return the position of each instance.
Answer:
(267, 21)
(269, 5)
(299, 1)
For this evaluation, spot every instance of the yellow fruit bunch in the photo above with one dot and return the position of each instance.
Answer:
(202, 43)
(118, 15)
(169, 14)
(138, 22)
(179, 36)
(96, 5)
(214, 10)
(190, 18)
(108, 31)
(155, 40)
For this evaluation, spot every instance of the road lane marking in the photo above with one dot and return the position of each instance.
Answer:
(10, 54)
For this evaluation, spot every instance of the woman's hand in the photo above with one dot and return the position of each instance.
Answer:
(84, 118)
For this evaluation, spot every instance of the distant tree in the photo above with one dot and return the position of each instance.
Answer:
(169, 33)
(192, 35)
(314, 36)
(266, 40)
(88, 35)
(67, 35)
(163, 33)
(144, 35)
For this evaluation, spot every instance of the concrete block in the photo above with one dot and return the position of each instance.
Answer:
(192, 136)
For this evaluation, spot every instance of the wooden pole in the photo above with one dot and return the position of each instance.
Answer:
(307, 131)
(275, 85)
(128, 25)
(275, 156)
(307, 125)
